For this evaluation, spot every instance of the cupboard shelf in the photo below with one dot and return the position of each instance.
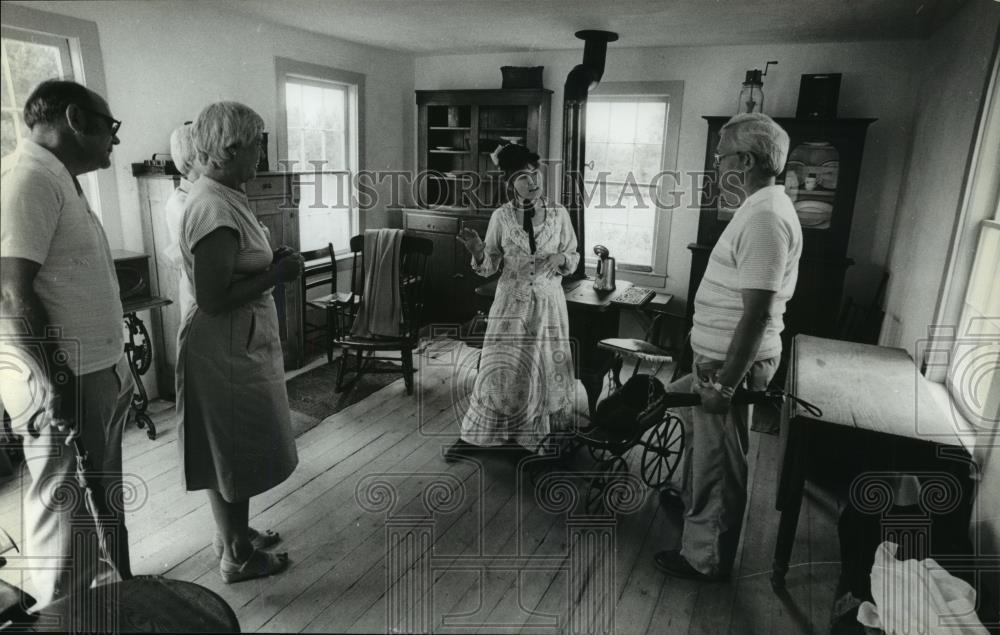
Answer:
(470, 122)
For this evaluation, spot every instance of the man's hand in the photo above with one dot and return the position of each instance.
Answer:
(61, 412)
(712, 401)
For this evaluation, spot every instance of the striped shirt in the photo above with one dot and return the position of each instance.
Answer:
(759, 249)
(211, 205)
(45, 218)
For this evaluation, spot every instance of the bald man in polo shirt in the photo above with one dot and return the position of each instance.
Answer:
(57, 273)
(738, 311)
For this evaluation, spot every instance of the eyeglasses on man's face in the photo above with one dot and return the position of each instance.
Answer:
(113, 124)
(717, 157)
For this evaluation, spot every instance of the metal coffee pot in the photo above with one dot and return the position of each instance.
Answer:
(605, 278)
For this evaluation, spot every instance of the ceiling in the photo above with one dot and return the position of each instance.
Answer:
(428, 27)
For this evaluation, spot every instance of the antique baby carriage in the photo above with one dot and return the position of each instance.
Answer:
(638, 424)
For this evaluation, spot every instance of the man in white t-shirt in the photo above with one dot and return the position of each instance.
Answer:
(63, 374)
(738, 310)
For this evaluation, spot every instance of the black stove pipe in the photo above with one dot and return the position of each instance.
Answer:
(580, 81)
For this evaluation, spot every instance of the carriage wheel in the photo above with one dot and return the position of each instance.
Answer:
(610, 470)
(662, 447)
(600, 454)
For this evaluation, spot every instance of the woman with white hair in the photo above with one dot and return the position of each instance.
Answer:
(235, 435)
(182, 152)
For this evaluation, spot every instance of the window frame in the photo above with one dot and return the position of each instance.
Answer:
(672, 93)
(88, 67)
(289, 69)
(979, 211)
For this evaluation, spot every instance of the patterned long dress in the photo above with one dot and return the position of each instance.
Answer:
(525, 386)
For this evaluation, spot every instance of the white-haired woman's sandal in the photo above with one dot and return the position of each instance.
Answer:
(260, 564)
(258, 539)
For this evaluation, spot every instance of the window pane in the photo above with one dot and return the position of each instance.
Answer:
(598, 120)
(295, 148)
(622, 121)
(974, 373)
(6, 98)
(312, 146)
(333, 109)
(649, 122)
(8, 134)
(319, 127)
(619, 160)
(293, 105)
(336, 158)
(312, 106)
(31, 63)
(631, 151)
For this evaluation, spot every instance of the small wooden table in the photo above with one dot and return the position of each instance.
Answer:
(871, 397)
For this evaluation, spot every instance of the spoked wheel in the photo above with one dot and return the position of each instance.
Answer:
(600, 454)
(609, 471)
(662, 446)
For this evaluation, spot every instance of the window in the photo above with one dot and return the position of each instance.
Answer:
(632, 133)
(974, 372)
(964, 350)
(320, 138)
(39, 45)
(29, 59)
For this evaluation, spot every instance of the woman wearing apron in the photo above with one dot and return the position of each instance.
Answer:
(235, 434)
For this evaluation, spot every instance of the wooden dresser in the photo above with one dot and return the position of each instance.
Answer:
(274, 198)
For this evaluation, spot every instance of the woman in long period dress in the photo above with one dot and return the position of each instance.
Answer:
(525, 387)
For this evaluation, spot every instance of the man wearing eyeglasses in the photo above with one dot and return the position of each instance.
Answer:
(62, 372)
(738, 311)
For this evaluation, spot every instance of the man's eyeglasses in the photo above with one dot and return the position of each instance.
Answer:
(113, 123)
(717, 158)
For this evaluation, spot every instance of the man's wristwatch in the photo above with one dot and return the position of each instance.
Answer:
(725, 391)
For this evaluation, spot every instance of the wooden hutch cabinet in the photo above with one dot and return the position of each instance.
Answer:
(458, 184)
(274, 200)
(821, 177)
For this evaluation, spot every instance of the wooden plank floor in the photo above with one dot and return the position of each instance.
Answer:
(385, 536)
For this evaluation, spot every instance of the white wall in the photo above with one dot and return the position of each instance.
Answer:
(877, 82)
(165, 60)
(953, 64)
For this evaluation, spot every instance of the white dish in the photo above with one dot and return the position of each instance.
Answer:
(443, 148)
(814, 207)
(512, 139)
(813, 214)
